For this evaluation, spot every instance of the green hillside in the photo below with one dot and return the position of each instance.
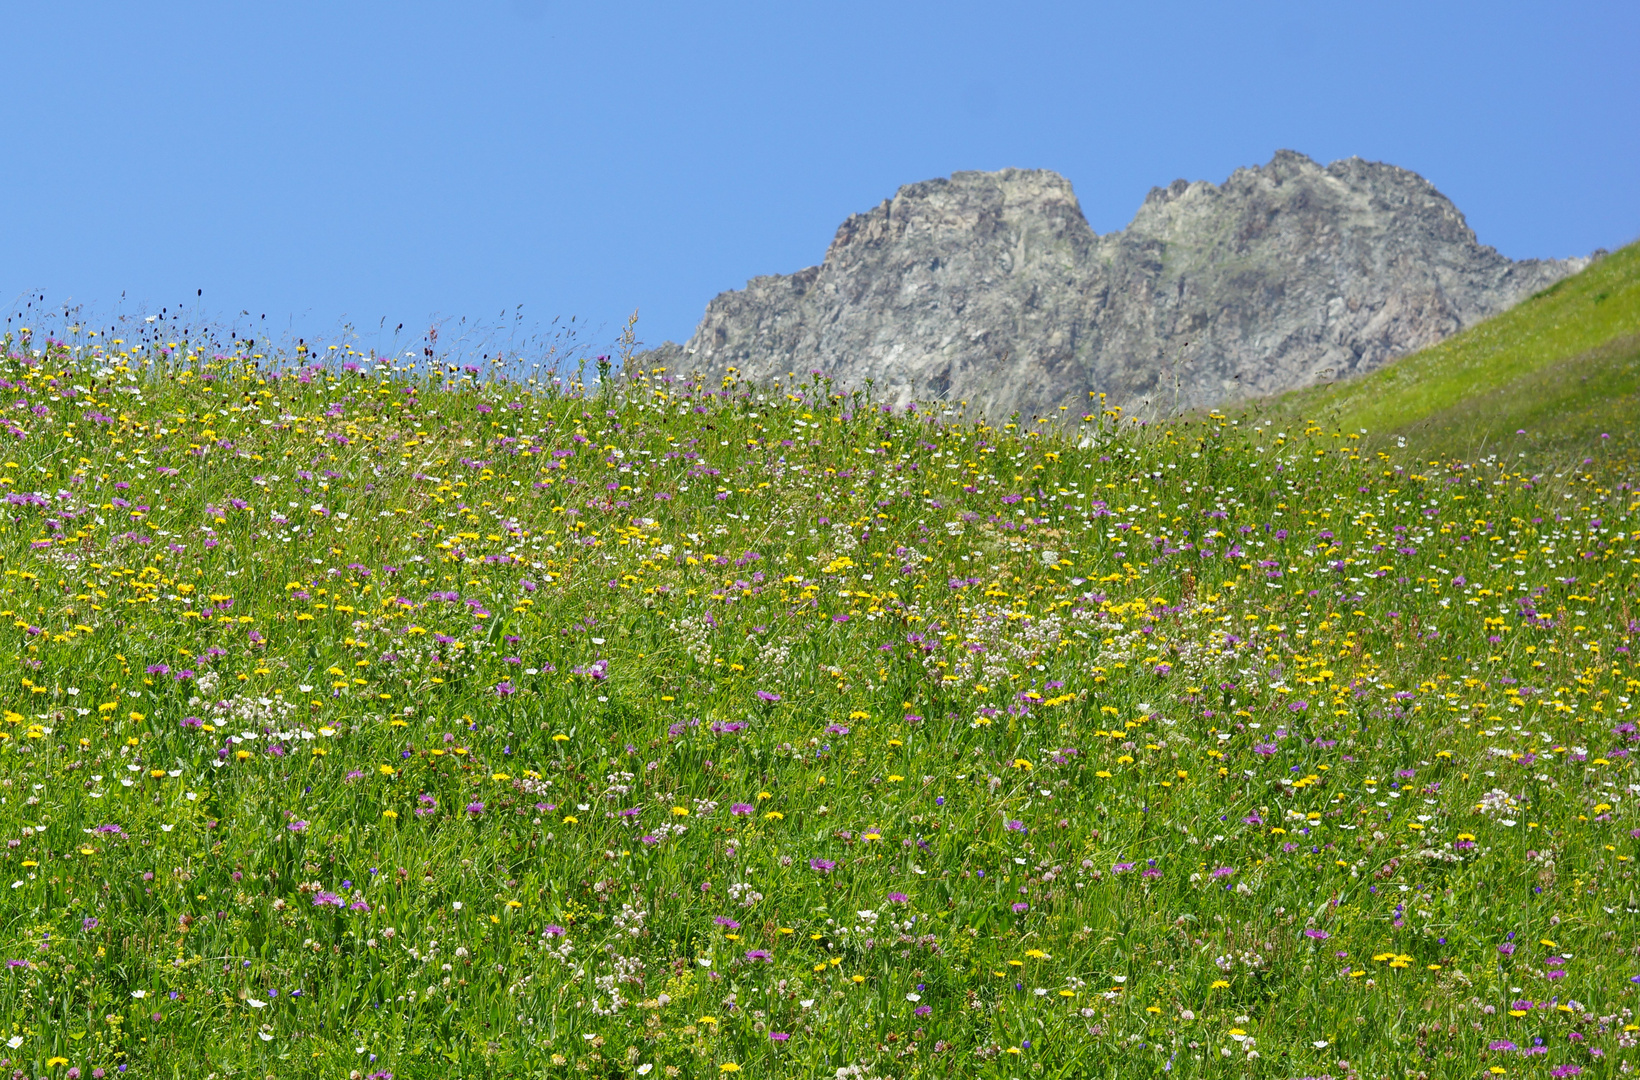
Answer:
(1564, 367)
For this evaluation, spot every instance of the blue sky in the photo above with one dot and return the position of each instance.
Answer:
(511, 161)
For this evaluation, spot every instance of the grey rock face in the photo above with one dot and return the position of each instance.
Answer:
(991, 288)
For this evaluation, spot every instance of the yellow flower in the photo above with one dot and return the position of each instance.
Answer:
(680, 811)
(52, 1063)
(774, 815)
(386, 770)
(390, 815)
(857, 979)
(569, 819)
(500, 776)
(1219, 984)
(728, 1067)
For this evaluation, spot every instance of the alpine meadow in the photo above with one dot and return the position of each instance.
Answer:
(383, 718)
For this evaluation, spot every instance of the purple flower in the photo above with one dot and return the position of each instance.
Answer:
(1226, 871)
(1507, 948)
(475, 808)
(898, 898)
(836, 729)
(923, 1010)
(1121, 868)
(765, 695)
(553, 931)
(779, 1036)
(297, 826)
(1015, 825)
(1021, 908)
(320, 899)
(741, 808)
(1318, 935)
(725, 921)
(826, 866)
(760, 954)
(88, 924)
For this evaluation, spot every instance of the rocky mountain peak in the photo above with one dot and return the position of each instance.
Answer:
(991, 288)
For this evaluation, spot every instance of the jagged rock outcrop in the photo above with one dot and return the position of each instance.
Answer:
(991, 288)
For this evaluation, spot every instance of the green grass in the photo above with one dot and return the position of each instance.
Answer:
(385, 721)
(1564, 367)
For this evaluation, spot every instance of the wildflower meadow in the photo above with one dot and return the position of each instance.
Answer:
(372, 717)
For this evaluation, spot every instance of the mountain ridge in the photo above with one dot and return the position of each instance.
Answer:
(992, 289)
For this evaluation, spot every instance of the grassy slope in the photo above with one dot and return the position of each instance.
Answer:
(1564, 366)
(348, 721)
